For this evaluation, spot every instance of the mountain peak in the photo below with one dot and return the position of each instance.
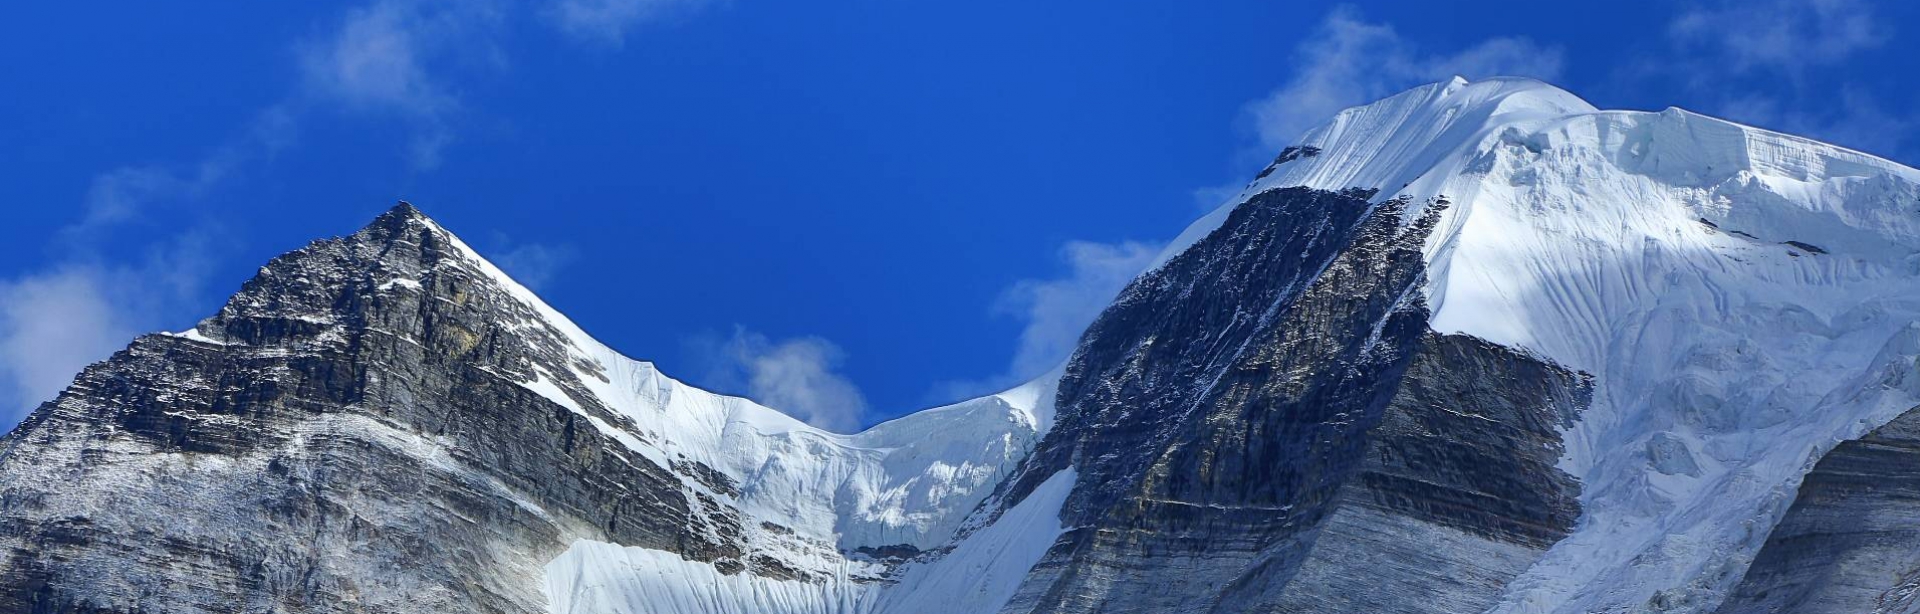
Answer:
(1705, 262)
(400, 216)
(403, 207)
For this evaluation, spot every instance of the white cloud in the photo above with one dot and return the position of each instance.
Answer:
(1057, 311)
(796, 376)
(1769, 63)
(54, 322)
(1054, 312)
(400, 57)
(1349, 61)
(81, 307)
(384, 58)
(52, 325)
(389, 55)
(123, 194)
(607, 21)
(1849, 117)
(372, 60)
(1789, 35)
(535, 264)
(117, 195)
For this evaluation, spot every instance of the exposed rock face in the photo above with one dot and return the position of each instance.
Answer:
(1265, 424)
(347, 435)
(1851, 541)
(1671, 456)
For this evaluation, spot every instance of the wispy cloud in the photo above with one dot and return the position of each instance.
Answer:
(82, 305)
(374, 60)
(607, 22)
(51, 325)
(1786, 35)
(797, 376)
(56, 321)
(1350, 61)
(1055, 311)
(386, 58)
(402, 57)
(534, 265)
(128, 193)
(1848, 116)
(121, 195)
(1768, 62)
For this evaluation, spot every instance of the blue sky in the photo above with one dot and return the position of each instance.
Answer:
(847, 209)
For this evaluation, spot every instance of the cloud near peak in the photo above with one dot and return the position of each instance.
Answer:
(1349, 61)
(798, 376)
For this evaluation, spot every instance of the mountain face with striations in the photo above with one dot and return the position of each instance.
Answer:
(1477, 347)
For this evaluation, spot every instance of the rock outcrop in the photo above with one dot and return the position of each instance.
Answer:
(1266, 424)
(1851, 541)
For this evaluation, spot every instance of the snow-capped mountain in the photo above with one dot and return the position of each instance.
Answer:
(1477, 347)
(1743, 300)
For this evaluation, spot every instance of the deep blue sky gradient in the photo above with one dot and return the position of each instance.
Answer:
(873, 173)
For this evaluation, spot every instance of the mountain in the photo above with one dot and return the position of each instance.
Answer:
(1476, 347)
(385, 422)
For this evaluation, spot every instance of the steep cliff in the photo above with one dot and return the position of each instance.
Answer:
(1266, 424)
(1851, 540)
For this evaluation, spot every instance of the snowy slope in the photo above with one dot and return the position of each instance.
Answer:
(978, 574)
(1744, 300)
(812, 495)
(907, 481)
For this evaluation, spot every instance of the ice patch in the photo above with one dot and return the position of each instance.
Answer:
(980, 574)
(194, 334)
(984, 570)
(600, 578)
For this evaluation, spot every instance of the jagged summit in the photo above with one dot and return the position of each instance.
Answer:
(404, 209)
(398, 218)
